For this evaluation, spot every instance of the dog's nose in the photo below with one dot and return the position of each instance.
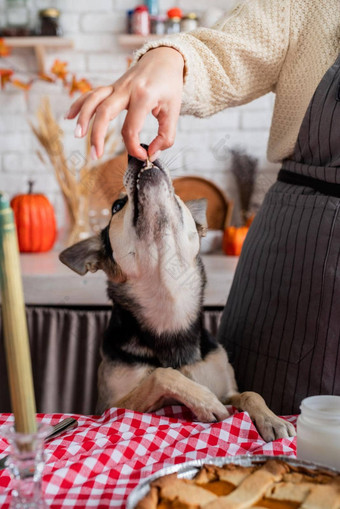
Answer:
(142, 145)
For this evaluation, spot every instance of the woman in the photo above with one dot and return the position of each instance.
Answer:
(281, 324)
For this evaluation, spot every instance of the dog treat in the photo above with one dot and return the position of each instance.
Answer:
(274, 484)
(148, 164)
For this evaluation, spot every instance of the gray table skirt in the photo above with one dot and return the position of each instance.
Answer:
(65, 356)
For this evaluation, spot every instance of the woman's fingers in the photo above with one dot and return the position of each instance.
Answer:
(76, 106)
(167, 121)
(89, 108)
(153, 84)
(106, 111)
(134, 121)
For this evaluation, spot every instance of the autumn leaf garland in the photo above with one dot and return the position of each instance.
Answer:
(58, 71)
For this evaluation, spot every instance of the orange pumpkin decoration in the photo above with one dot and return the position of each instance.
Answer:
(35, 222)
(250, 220)
(233, 239)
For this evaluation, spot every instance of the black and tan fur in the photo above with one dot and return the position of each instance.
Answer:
(156, 350)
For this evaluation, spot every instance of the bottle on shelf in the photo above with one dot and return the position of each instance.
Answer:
(129, 15)
(174, 21)
(152, 6)
(141, 21)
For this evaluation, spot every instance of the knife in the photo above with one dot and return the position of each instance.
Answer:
(64, 425)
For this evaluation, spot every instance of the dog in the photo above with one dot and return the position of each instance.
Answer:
(156, 350)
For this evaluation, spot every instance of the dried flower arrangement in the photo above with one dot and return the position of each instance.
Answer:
(76, 184)
(244, 169)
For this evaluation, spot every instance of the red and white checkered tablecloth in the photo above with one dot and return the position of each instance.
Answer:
(99, 463)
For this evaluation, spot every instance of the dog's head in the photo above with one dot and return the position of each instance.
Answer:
(152, 240)
(149, 225)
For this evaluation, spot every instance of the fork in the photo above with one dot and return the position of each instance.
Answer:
(64, 425)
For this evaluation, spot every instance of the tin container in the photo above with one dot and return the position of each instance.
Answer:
(189, 469)
(318, 430)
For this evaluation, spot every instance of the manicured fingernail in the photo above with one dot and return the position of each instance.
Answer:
(154, 156)
(93, 153)
(67, 114)
(78, 132)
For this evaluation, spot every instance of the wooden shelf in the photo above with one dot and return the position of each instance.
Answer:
(39, 45)
(131, 41)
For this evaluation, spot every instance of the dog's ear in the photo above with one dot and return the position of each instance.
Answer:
(198, 209)
(84, 256)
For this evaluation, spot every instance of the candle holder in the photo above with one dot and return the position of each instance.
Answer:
(26, 463)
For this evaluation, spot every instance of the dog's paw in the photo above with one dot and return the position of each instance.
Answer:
(208, 408)
(272, 427)
(213, 414)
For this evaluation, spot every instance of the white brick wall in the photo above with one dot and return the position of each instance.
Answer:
(201, 145)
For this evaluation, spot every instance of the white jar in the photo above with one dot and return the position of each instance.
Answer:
(318, 430)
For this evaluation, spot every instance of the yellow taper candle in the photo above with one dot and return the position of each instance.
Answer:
(14, 324)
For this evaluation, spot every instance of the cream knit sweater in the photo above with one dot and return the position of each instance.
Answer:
(281, 46)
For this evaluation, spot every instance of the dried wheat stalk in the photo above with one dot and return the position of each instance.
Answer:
(75, 186)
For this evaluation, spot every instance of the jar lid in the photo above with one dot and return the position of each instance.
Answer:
(158, 17)
(175, 12)
(51, 12)
(325, 407)
(141, 8)
(191, 15)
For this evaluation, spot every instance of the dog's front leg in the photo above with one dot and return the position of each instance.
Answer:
(165, 385)
(269, 425)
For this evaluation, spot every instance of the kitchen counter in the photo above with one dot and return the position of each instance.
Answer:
(48, 282)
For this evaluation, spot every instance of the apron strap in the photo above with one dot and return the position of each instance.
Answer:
(297, 179)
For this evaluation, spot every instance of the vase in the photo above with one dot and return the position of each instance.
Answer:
(80, 228)
(26, 462)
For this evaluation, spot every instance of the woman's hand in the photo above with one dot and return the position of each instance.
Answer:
(153, 85)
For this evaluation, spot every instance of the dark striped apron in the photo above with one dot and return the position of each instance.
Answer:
(281, 323)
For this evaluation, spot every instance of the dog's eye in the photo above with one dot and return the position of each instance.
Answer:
(118, 205)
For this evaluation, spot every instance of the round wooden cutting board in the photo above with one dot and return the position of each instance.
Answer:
(219, 207)
(109, 184)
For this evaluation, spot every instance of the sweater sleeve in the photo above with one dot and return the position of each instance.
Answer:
(236, 61)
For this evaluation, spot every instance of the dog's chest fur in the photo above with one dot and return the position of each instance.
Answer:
(125, 340)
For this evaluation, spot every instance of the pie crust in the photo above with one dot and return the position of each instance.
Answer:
(273, 484)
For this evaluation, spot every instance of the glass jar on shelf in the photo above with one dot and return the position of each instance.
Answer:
(49, 22)
(174, 21)
(158, 24)
(189, 22)
(17, 18)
